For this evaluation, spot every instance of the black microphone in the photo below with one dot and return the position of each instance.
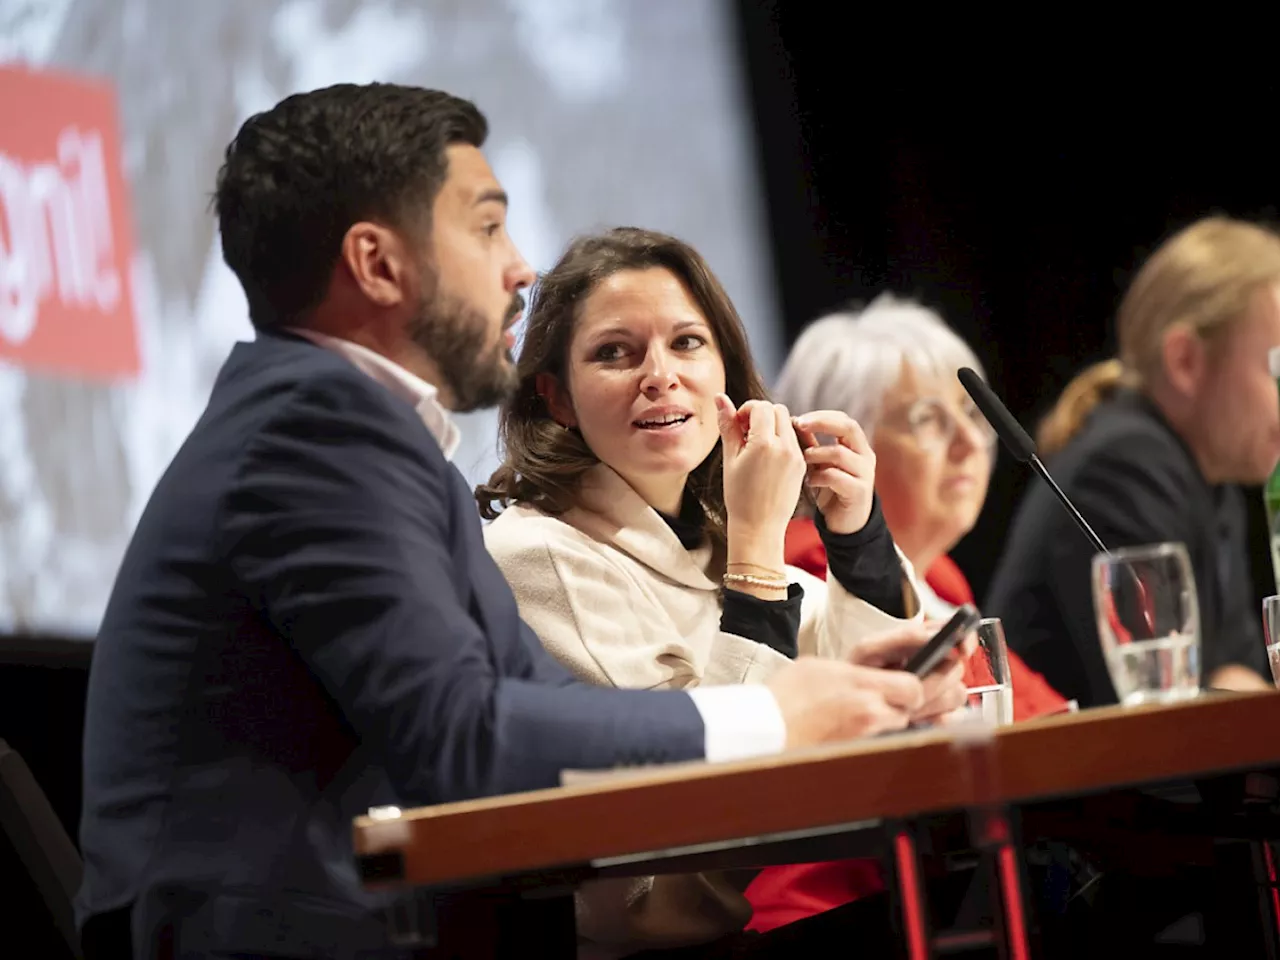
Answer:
(1020, 444)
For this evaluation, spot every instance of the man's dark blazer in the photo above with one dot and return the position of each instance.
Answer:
(1136, 482)
(307, 624)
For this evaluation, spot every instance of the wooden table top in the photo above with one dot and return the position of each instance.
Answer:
(1103, 749)
(835, 787)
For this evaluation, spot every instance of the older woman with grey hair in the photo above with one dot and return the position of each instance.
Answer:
(892, 367)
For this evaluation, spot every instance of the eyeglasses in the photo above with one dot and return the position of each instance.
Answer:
(933, 424)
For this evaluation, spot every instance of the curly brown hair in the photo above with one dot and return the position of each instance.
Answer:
(543, 461)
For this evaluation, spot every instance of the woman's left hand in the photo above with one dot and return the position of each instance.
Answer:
(841, 475)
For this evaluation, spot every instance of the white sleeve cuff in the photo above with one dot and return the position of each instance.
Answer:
(740, 721)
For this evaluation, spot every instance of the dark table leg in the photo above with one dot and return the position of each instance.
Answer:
(910, 904)
(1266, 871)
(996, 834)
(920, 905)
(1241, 917)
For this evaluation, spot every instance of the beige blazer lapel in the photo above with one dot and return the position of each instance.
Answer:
(611, 511)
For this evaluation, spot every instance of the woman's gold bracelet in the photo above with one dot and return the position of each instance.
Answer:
(767, 582)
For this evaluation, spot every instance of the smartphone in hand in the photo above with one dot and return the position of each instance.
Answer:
(952, 632)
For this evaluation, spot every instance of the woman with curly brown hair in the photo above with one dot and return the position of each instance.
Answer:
(641, 514)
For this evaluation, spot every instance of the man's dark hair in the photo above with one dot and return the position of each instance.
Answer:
(297, 176)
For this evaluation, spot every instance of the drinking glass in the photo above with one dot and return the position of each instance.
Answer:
(992, 694)
(1271, 627)
(1144, 599)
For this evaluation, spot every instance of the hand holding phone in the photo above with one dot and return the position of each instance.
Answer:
(941, 643)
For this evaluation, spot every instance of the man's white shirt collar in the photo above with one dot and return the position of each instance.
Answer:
(422, 395)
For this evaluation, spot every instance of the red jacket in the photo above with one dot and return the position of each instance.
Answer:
(781, 895)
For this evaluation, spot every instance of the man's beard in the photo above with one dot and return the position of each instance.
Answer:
(453, 334)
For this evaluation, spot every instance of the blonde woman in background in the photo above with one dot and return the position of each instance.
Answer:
(1151, 446)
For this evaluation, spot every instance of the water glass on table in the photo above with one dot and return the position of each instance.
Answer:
(1148, 619)
(992, 692)
(1271, 627)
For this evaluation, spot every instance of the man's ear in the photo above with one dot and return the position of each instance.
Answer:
(1184, 354)
(378, 262)
(556, 397)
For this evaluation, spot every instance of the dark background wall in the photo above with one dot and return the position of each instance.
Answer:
(1014, 185)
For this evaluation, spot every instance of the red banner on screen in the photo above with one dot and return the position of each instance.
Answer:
(66, 306)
